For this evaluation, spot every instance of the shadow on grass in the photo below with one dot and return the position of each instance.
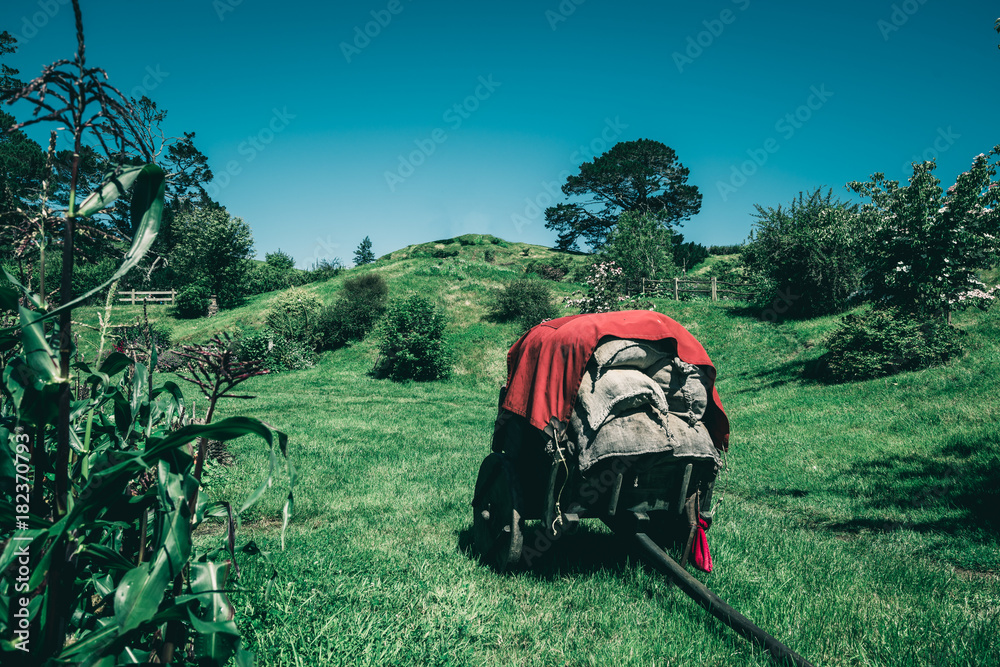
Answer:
(964, 477)
(586, 551)
(803, 372)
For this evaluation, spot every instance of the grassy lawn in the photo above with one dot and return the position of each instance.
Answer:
(858, 523)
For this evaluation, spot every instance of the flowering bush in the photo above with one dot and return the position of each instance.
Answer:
(926, 246)
(606, 291)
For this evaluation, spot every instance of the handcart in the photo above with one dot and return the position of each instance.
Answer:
(611, 416)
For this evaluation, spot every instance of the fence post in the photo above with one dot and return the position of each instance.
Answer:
(715, 294)
(677, 289)
(133, 298)
(644, 287)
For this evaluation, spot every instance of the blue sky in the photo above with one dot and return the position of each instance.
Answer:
(410, 121)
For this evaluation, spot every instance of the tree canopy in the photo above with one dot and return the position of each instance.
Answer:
(364, 254)
(213, 249)
(642, 248)
(927, 246)
(643, 176)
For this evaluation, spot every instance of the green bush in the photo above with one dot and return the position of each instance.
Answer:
(808, 255)
(144, 336)
(323, 269)
(192, 301)
(884, 342)
(275, 352)
(293, 314)
(554, 269)
(356, 309)
(263, 278)
(526, 301)
(411, 342)
(733, 249)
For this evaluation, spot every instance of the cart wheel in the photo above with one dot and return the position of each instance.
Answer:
(496, 514)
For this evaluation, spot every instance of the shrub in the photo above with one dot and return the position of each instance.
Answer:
(928, 245)
(555, 269)
(733, 249)
(606, 291)
(273, 351)
(169, 361)
(884, 342)
(808, 254)
(192, 301)
(489, 255)
(292, 314)
(526, 301)
(411, 342)
(144, 336)
(324, 269)
(263, 278)
(358, 306)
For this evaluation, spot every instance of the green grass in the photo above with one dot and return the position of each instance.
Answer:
(857, 522)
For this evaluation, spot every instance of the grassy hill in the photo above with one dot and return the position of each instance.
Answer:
(858, 523)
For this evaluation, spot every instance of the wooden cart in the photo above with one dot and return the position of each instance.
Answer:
(654, 499)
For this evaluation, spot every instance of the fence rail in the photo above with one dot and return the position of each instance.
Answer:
(677, 286)
(133, 297)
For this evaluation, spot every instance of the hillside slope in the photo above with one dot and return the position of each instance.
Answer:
(858, 523)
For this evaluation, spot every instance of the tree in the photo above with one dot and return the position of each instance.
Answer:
(9, 83)
(641, 246)
(364, 254)
(279, 260)
(643, 176)
(688, 255)
(807, 254)
(213, 249)
(22, 163)
(926, 246)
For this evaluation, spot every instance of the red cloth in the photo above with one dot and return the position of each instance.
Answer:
(699, 548)
(545, 367)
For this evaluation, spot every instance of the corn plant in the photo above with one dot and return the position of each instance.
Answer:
(100, 487)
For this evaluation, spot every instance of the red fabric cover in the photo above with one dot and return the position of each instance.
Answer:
(545, 367)
(699, 548)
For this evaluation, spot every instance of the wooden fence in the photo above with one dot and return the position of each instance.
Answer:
(133, 297)
(710, 286)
